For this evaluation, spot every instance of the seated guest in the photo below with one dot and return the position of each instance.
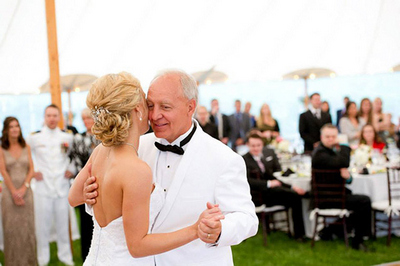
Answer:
(365, 111)
(202, 116)
(351, 125)
(221, 121)
(267, 124)
(261, 164)
(371, 138)
(329, 155)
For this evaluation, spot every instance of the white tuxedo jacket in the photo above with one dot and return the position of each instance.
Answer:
(209, 171)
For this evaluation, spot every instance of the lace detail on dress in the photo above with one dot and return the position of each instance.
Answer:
(109, 244)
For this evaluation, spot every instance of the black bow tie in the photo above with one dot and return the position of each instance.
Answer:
(174, 148)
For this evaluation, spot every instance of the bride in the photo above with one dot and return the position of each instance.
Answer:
(128, 202)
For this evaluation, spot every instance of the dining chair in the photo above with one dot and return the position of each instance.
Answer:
(267, 214)
(390, 207)
(328, 200)
(267, 218)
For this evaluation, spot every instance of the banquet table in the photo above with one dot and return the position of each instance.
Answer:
(372, 185)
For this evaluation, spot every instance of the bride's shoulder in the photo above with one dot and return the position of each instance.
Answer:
(133, 171)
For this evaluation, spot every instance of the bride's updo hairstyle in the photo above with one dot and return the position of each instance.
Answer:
(111, 100)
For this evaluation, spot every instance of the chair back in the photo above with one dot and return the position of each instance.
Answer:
(256, 194)
(393, 180)
(328, 189)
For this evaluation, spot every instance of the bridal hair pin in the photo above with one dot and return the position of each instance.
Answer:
(97, 111)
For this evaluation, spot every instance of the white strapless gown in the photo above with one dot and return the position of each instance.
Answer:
(108, 245)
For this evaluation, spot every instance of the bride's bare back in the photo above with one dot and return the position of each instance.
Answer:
(118, 170)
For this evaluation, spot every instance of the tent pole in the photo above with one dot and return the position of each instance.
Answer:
(53, 57)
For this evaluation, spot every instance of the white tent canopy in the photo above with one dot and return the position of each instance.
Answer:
(248, 41)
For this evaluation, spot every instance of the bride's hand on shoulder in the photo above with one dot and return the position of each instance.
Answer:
(209, 223)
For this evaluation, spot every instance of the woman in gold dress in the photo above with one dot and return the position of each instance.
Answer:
(16, 167)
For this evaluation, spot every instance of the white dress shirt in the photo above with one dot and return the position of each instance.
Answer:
(168, 162)
(316, 112)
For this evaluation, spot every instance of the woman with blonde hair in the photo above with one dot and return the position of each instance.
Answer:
(267, 124)
(127, 202)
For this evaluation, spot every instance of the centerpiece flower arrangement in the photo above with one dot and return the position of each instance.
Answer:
(362, 155)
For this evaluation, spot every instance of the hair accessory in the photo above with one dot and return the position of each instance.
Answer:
(97, 111)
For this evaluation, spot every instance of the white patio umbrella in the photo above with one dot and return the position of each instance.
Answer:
(309, 73)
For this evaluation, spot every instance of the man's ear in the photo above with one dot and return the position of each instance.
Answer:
(191, 107)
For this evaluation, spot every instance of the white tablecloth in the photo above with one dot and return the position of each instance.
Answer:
(374, 186)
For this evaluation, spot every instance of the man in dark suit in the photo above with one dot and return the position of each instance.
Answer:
(311, 122)
(239, 124)
(329, 155)
(221, 121)
(266, 189)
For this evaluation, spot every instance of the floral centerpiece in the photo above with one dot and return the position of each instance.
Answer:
(280, 145)
(362, 155)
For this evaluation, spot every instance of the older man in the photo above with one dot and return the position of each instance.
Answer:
(203, 117)
(193, 168)
(330, 155)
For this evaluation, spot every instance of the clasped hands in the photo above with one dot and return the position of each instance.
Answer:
(18, 196)
(208, 225)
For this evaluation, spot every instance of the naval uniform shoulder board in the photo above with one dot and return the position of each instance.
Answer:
(33, 133)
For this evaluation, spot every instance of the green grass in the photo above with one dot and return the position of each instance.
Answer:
(282, 250)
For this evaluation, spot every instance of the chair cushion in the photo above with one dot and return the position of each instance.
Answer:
(329, 212)
(383, 206)
(275, 208)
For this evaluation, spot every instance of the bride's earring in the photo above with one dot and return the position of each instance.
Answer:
(140, 117)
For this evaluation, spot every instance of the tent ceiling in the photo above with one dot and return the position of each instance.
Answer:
(253, 40)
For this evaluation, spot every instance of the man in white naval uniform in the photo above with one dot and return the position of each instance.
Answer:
(49, 147)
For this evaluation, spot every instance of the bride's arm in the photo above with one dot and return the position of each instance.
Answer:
(75, 195)
(135, 212)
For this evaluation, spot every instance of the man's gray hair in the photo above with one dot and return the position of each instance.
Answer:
(188, 82)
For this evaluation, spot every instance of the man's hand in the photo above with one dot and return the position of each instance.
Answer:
(38, 176)
(299, 191)
(344, 172)
(209, 227)
(225, 140)
(68, 174)
(89, 188)
(275, 183)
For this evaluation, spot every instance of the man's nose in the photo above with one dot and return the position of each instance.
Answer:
(155, 113)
